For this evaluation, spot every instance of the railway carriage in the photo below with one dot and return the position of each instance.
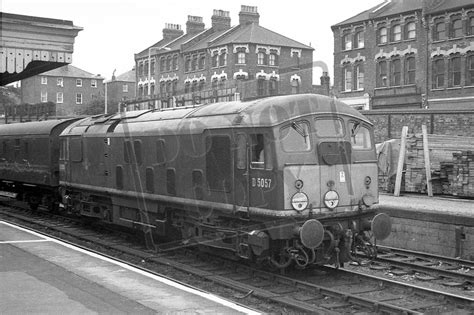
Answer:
(288, 179)
(29, 165)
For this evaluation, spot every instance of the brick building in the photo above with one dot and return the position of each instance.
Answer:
(221, 63)
(119, 89)
(69, 87)
(407, 54)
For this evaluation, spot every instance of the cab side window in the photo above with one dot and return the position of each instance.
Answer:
(260, 156)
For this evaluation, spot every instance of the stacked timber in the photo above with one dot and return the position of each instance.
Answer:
(451, 164)
(463, 174)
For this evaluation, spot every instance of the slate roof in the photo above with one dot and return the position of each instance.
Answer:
(128, 76)
(250, 33)
(71, 71)
(385, 8)
(394, 7)
(433, 6)
(257, 34)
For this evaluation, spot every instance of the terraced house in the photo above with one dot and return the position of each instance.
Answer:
(220, 63)
(407, 54)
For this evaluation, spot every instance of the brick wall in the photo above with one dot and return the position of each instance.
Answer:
(452, 239)
(388, 124)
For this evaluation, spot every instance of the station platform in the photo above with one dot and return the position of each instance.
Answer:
(437, 225)
(42, 275)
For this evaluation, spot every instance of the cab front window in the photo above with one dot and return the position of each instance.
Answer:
(360, 136)
(329, 128)
(295, 137)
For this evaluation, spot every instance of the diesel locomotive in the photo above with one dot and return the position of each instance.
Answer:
(290, 180)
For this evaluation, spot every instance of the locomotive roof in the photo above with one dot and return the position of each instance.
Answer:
(265, 112)
(32, 128)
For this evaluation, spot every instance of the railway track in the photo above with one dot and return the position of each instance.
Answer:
(321, 290)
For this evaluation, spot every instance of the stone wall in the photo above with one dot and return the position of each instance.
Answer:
(388, 124)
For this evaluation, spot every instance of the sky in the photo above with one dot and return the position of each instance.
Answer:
(115, 30)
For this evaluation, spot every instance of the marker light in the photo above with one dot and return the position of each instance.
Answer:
(331, 199)
(299, 201)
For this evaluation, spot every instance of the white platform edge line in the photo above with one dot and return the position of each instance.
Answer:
(206, 295)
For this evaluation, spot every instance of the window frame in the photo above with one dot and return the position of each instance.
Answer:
(359, 39)
(454, 75)
(469, 75)
(409, 72)
(409, 31)
(438, 34)
(79, 98)
(347, 78)
(459, 29)
(93, 83)
(60, 82)
(44, 80)
(59, 97)
(438, 74)
(346, 41)
(78, 82)
(396, 71)
(382, 39)
(396, 32)
(359, 76)
(44, 97)
(382, 77)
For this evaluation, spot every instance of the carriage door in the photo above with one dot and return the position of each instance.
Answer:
(64, 167)
(241, 171)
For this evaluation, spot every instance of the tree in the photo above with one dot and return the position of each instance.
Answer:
(9, 95)
(95, 107)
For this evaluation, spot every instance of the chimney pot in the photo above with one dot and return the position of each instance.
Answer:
(248, 14)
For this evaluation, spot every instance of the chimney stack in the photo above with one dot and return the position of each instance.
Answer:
(248, 14)
(172, 31)
(194, 25)
(220, 20)
(325, 82)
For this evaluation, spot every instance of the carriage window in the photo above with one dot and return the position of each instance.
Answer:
(160, 151)
(360, 136)
(75, 149)
(241, 152)
(63, 150)
(149, 180)
(171, 181)
(137, 146)
(329, 128)
(119, 177)
(295, 137)
(218, 162)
